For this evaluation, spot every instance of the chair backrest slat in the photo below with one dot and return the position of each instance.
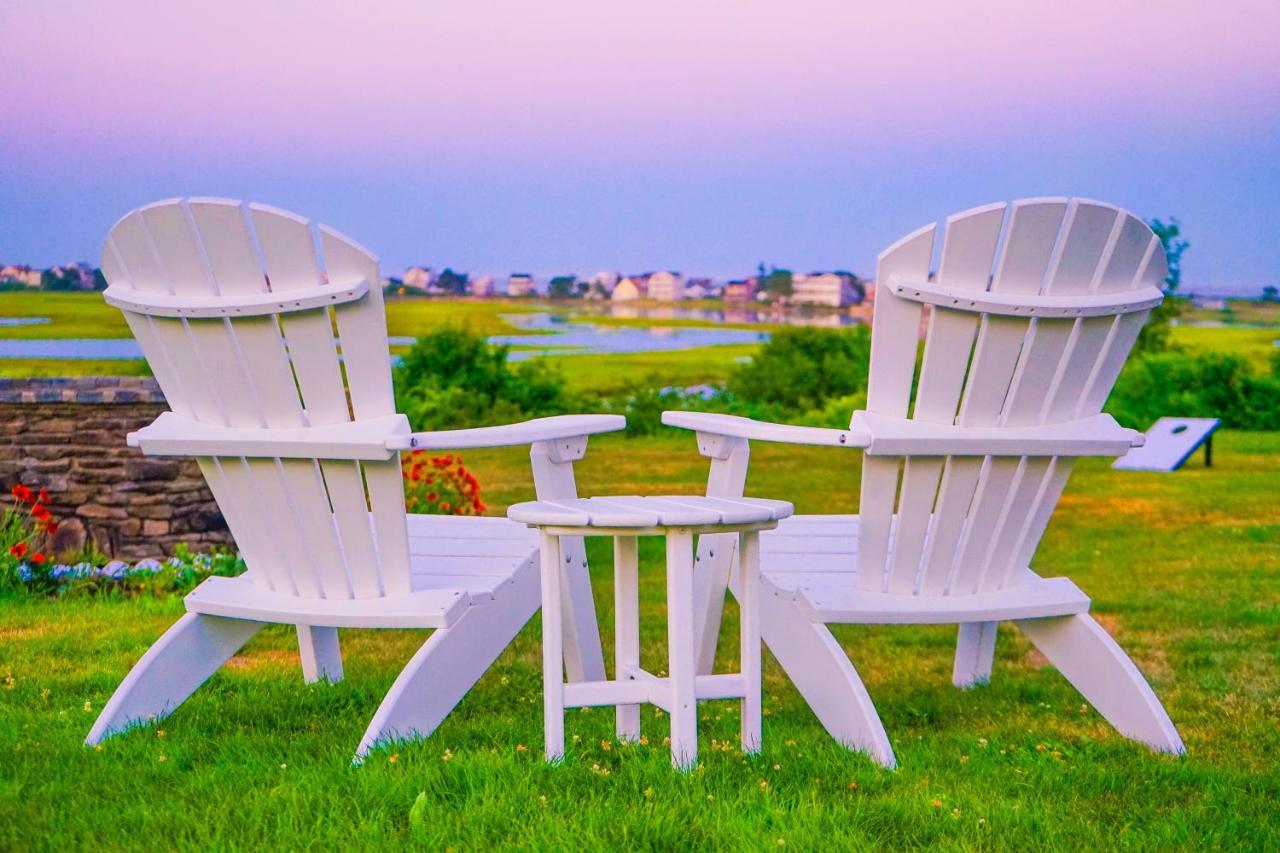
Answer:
(936, 525)
(315, 528)
(893, 358)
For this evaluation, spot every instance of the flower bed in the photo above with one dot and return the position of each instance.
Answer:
(439, 485)
(26, 531)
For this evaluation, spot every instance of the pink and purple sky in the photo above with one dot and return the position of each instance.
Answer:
(700, 136)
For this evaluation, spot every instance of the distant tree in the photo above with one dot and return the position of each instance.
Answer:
(777, 283)
(99, 280)
(1155, 335)
(1271, 293)
(61, 279)
(452, 282)
(562, 287)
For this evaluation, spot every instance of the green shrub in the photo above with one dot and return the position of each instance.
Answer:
(452, 378)
(1208, 385)
(800, 369)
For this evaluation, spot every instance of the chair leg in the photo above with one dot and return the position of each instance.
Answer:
(823, 674)
(180, 661)
(975, 651)
(1092, 661)
(452, 661)
(321, 655)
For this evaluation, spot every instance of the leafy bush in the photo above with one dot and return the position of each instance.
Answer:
(439, 485)
(453, 378)
(1207, 385)
(801, 369)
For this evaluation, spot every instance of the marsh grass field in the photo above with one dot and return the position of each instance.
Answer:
(1184, 569)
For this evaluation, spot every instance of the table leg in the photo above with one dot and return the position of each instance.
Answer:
(552, 650)
(749, 636)
(626, 596)
(683, 664)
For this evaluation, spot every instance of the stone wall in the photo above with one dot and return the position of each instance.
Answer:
(68, 436)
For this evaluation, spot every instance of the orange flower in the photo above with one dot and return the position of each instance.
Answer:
(444, 506)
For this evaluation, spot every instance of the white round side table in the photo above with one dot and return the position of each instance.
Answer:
(677, 518)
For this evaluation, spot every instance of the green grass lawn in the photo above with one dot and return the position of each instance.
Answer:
(1184, 570)
(1253, 345)
(71, 315)
(412, 316)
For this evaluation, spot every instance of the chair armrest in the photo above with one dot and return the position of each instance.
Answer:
(172, 434)
(1096, 435)
(507, 435)
(734, 426)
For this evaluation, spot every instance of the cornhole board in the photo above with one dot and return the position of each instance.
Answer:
(1170, 443)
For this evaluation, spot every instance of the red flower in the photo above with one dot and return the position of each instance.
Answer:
(21, 492)
(44, 496)
(431, 496)
(445, 506)
(37, 558)
(40, 513)
(51, 528)
(18, 550)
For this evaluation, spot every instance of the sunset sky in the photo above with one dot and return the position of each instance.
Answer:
(698, 136)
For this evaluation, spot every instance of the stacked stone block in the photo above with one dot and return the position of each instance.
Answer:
(68, 436)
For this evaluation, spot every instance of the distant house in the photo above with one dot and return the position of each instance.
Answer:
(482, 285)
(631, 288)
(741, 290)
(521, 284)
(700, 288)
(1209, 303)
(834, 289)
(419, 277)
(23, 275)
(666, 286)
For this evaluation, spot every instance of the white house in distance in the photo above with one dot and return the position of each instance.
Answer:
(21, 274)
(521, 284)
(631, 288)
(701, 288)
(666, 286)
(418, 277)
(834, 289)
(482, 285)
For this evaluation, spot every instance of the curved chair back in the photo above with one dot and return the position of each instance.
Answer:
(1032, 313)
(235, 307)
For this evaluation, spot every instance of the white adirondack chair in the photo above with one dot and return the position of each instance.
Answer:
(235, 307)
(1034, 309)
